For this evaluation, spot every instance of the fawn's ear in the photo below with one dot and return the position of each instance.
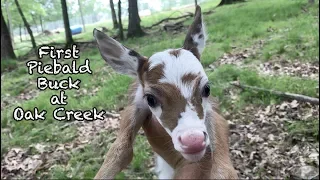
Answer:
(120, 58)
(196, 36)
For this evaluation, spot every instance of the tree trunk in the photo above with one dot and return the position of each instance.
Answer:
(6, 44)
(10, 29)
(26, 24)
(134, 28)
(114, 16)
(195, 2)
(20, 32)
(120, 21)
(25, 33)
(41, 24)
(82, 20)
(66, 23)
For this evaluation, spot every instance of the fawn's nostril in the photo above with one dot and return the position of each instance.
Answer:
(179, 138)
(205, 136)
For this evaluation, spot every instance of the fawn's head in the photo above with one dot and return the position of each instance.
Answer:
(173, 86)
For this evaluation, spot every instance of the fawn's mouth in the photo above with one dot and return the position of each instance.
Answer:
(195, 156)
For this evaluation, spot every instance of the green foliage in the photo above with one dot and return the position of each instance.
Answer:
(303, 129)
(8, 65)
(30, 8)
(221, 78)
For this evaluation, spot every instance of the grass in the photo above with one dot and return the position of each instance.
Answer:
(304, 129)
(223, 76)
(8, 65)
(288, 31)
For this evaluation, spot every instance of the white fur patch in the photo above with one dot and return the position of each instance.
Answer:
(190, 119)
(163, 169)
(138, 99)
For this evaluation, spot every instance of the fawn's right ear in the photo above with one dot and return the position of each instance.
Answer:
(196, 37)
(120, 58)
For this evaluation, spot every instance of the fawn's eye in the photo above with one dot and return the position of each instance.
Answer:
(206, 91)
(152, 101)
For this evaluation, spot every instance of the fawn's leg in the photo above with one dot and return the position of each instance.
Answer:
(121, 152)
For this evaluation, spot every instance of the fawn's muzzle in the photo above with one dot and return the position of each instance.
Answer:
(192, 141)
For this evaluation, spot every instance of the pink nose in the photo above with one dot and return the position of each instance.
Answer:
(192, 141)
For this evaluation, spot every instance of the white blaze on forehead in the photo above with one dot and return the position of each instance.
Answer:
(176, 67)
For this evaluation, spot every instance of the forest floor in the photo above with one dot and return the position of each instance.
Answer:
(269, 44)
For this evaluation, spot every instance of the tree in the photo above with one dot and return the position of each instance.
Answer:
(114, 17)
(120, 21)
(51, 7)
(41, 24)
(134, 28)
(81, 14)
(20, 32)
(69, 40)
(32, 10)
(9, 20)
(6, 43)
(26, 24)
(195, 2)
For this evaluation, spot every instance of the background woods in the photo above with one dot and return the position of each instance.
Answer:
(262, 58)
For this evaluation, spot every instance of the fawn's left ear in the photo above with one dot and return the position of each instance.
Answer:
(196, 36)
(119, 57)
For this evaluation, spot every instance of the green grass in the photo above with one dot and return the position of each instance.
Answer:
(304, 129)
(294, 36)
(8, 65)
(222, 77)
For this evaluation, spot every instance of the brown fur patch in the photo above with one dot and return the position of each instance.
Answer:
(172, 103)
(196, 99)
(188, 78)
(155, 74)
(142, 68)
(149, 76)
(161, 142)
(196, 53)
(175, 52)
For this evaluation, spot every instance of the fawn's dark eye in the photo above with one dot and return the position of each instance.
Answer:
(152, 101)
(206, 91)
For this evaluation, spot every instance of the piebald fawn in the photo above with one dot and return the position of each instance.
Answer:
(171, 101)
